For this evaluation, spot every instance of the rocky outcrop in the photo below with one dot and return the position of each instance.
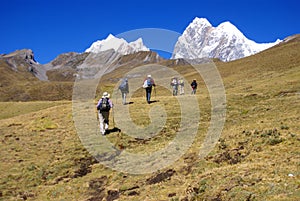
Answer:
(23, 60)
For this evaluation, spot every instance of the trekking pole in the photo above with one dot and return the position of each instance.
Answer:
(113, 115)
(117, 97)
(155, 92)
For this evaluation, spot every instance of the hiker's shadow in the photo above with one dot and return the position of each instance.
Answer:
(129, 103)
(113, 130)
(154, 101)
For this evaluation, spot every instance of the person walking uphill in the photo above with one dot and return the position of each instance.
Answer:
(148, 84)
(174, 85)
(194, 86)
(103, 107)
(181, 86)
(124, 88)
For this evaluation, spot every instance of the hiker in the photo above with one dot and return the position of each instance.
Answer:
(181, 86)
(174, 85)
(194, 86)
(148, 83)
(103, 107)
(124, 88)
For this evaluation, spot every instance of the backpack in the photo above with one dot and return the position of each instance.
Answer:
(122, 86)
(174, 82)
(147, 83)
(104, 105)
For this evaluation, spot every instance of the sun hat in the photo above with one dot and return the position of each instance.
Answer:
(106, 95)
(149, 76)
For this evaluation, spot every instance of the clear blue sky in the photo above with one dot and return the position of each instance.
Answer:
(52, 27)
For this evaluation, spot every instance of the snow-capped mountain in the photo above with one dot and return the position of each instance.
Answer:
(118, 44)
(200, 39)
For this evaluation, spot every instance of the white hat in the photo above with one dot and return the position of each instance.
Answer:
(106, 95)
(149, 76)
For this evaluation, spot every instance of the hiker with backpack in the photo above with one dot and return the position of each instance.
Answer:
(174, 85)
(124, 88)
(104, 105)
(148, 84)
(194, 86)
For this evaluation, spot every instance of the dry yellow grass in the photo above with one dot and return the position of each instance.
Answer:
(257, 156)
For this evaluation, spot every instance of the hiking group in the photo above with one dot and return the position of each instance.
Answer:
(105, 103)
(177, 83)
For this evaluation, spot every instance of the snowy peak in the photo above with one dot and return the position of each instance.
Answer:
(228, 28)
(109, 37)
(117, 44)
(200, 22)
(200, 39)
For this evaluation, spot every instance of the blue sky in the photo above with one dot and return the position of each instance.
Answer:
(54, 27)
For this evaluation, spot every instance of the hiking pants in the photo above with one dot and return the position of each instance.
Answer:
(175, 90)
(124, 97)
(181, 89)
(194, 90)
(104, 121)
(148, 94)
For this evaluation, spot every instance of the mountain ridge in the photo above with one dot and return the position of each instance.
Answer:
(66, 66)
(200, 39)
(119, 45)
(22, 77)
(188, 46)
(226, 42)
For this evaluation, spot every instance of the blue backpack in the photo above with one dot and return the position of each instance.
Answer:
(149, 83)
(122, 85)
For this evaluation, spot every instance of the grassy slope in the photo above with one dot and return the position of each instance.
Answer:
(23, 86)
(44, 160)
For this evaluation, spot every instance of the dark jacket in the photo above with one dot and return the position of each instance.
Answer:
(194, 84)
